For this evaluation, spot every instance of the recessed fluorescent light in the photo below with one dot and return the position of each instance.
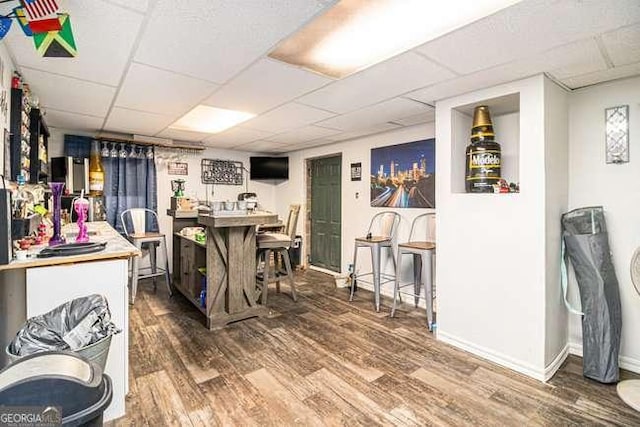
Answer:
(355, 34)
(210, 119)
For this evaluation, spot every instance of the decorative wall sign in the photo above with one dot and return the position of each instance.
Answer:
(226, 172)
(403, 175)
(178, 168)
(617, 134)
(356, 171)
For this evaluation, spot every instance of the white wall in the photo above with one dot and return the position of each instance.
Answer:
(5, 88)
(491, 247)
(356, 208)
(615, 187)
(556, 126)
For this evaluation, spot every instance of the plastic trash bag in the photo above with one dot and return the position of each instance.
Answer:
(70, 326)
(587, 246)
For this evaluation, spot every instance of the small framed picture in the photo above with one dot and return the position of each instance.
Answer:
(178, 168)
(356, 171)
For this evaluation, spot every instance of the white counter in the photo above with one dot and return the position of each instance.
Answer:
(37, 285)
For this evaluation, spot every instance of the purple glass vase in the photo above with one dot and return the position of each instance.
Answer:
(56, 191)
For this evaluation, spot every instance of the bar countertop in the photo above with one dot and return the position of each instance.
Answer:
(117, 247)
(237, 219)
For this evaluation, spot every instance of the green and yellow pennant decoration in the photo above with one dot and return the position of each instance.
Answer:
(58, 44)
(51, 31)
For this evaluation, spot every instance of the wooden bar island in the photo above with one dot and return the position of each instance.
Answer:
(232, 292)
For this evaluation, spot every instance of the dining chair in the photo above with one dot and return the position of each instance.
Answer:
(380, 234)
(134, 224)
(278, 244)
(422, 247)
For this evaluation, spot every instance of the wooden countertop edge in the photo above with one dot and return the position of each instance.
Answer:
(47, 262)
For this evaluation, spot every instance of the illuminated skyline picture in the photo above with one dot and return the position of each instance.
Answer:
(403, 175)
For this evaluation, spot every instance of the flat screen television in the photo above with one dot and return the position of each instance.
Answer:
(269, 168)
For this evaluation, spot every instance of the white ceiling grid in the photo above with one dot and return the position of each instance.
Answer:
(134, 79)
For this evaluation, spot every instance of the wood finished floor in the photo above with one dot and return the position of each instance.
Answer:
(325, 361)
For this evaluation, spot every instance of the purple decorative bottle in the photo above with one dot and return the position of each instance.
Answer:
(56, 191)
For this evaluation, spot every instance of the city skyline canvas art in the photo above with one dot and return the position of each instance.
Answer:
(403, 175)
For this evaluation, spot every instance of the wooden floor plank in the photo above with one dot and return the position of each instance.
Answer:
(326, 361)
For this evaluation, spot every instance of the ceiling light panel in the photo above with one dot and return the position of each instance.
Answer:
(355, 34)
(207, 119)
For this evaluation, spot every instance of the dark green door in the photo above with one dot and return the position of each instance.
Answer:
(326, 211)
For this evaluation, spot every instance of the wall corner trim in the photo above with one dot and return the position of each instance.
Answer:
(551, 369)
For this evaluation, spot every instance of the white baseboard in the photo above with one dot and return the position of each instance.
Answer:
(539, 374)
(625, 362)
(493, 356)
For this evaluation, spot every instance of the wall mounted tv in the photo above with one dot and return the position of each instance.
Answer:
(269, 168)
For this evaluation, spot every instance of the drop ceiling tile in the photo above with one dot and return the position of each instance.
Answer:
(388, 79)
(306, 133)
(308, 144)
(183, 135)
(236, 136)
(137, 122)
(602, 76)
(382, 127)
(287, 117)
(572, 59)
(104, 36)
(376, 114)
(139, 5)
(162, 92)
(471, 82)
(264, 85)
(416, 119)
(65, 120)
(262, 147)
(623, 45)
(215, 40)
(527, 28)
(68, 94)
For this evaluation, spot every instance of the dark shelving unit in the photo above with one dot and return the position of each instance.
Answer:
(39, 142)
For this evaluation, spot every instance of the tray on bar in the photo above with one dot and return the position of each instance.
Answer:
(69, 249)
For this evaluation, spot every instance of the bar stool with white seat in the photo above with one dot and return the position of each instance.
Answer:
(380, 234)
(140, 238)
(422, 247)
(278, 244)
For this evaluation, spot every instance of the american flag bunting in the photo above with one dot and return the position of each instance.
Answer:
(37, 9)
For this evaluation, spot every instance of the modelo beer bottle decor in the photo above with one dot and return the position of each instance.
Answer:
(482, 155)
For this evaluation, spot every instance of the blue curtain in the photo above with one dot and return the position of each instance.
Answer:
(130, 182)
(77, 146)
